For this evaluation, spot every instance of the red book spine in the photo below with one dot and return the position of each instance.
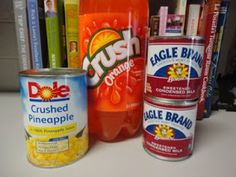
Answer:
(212, 8)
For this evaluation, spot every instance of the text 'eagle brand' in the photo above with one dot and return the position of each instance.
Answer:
(169, 117)
(177, 52)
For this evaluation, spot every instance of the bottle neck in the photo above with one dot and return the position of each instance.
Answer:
(111, 6)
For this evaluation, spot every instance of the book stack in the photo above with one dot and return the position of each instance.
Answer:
(175, 18)
(211, 28)
(210, 100)
(47, 33)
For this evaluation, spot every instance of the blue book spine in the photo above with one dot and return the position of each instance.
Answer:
(215, 57)
(34, 31)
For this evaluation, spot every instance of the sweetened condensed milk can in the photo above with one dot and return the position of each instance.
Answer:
(169, 129)
(172, 89)
(174, 67)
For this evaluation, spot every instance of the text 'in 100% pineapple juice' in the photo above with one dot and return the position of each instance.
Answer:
(112, 44)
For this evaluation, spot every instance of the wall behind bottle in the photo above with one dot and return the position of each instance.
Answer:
(8, 48)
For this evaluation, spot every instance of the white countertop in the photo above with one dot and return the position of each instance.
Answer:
(214, 154)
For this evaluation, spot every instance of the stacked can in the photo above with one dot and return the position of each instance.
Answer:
(174, 66)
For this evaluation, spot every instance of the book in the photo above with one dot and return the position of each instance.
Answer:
(53, 33)
(43, 35)
(34, 34)
(215, 57)
(163, 14)
(154, 25)
(172, 17)
(175, 25)
(210, 14)
(22, 34)
(72, 38)
(203, 18)
(181, 7)
(61, 16)
(192, 19)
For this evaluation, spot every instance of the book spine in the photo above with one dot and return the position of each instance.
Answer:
(61, 16)
(34, 31)
(176, 20)
(72, 41)
(22, 34)
(203, 19)
(181, 7)
(163, 13)
(154, 25)
(215, 57)
(193, 19)
(210, 29)
(53, 33)
(43, 35)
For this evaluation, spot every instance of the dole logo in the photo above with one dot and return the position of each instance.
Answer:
(40, 93)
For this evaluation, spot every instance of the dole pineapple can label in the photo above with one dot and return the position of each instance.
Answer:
(54, 103)
(168, 130)
(174, 67)
(112, 51)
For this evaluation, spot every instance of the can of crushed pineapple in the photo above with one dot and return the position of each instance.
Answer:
(54, 105)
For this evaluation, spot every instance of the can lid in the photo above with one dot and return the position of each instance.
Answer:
(52, 72)
(170, 102)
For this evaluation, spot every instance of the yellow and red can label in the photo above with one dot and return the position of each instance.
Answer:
(55, 118)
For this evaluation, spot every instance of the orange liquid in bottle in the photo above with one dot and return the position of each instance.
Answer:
(112, 49)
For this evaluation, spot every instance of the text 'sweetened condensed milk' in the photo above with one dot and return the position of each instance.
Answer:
(168, 129)
(55, 115)
(174, 67)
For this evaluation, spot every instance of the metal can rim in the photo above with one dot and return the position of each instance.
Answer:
(170, 102)
(53, 72)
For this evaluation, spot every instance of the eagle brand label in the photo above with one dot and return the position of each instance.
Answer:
(169, 130)
(55, 119)
(174, 68)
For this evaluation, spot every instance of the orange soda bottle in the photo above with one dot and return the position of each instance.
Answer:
(112, 49)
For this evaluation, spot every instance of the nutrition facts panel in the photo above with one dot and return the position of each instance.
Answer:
(213, 154)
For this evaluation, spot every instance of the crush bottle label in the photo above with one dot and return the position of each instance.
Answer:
(112, 51)
(174, 69)
(110, 54)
